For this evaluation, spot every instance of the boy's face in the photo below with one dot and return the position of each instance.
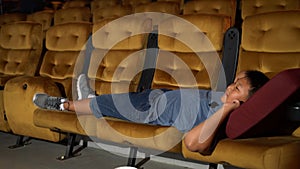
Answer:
(239, 90)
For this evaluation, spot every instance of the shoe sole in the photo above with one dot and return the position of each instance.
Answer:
(79, 93)
(34, 98)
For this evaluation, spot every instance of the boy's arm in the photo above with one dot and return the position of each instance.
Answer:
(201, 137)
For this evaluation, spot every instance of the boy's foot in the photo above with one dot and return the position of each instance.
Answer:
(83, 89)
(45, 101)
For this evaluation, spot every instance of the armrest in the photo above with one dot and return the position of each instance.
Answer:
(18, 94)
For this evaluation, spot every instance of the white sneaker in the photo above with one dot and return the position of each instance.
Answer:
(83, 89)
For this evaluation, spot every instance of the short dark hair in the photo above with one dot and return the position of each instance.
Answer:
(256, 79)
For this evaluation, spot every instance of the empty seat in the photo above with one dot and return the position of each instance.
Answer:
(223, 7)
(12, 17)
(134, 3)
(43, 17)
(20, 50)
(250, 7)
(276, 43)
(201, 50)
(111, 12)
(64, 44)
(164, 7)
(179, 2)
(98, 4)
(74, 4)
(163, 10)
(78, 14)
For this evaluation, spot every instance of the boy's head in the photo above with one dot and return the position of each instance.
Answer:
(245, 85)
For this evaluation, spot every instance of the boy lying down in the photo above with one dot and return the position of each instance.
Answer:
(196, 112)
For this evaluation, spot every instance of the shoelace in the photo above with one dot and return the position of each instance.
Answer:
(54, 103)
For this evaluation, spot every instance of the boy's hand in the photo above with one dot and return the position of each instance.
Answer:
(230, 106)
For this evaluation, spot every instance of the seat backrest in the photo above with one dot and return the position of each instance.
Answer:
(179, 2)
(224, 7)
(43, 17)
(65, 44)
(111, 12)
(134, 3)
(12, 17)
(78, 14)
(118, 58)
(270, 42)
(74, 4)
(99, 4)
(20, 49)
(190, 51)
(164, 7)
(250, 7)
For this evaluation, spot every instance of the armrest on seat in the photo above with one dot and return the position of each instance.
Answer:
(18, 94)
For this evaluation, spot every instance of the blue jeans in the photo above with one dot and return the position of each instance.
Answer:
(183, 109)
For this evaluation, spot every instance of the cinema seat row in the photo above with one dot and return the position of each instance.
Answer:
(73, 48)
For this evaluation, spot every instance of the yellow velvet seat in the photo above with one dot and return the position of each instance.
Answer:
(64, 44)
(43, 17)
(158, 138)
(249, 7)
(74, 4)
(78, 14)
(134, 3)
(223, 7)
(12, 17)
(101, 71)
(115, 67)
(269, 44)
(99, 4)
(21, 47)
(164, 7)
(111, 12)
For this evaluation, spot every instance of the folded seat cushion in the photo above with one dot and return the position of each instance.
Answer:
(261, 113)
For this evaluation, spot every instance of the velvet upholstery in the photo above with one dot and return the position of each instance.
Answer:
(43, 17)
(224, 7)
(66, 46)
(20, 46)
(20, 118)
(268, 44)
(111, 12)
(179, 2)
(280, 152)
(96, 5)
(78, 14)
(12, 17)
(102, 74)
(275, 43)
(134, 3)
(157, 137)
(74, 4)
(171, 33)
(164, 7)
(250, 7)
(64, 43)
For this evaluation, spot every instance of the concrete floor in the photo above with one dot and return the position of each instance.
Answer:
(42, 155)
